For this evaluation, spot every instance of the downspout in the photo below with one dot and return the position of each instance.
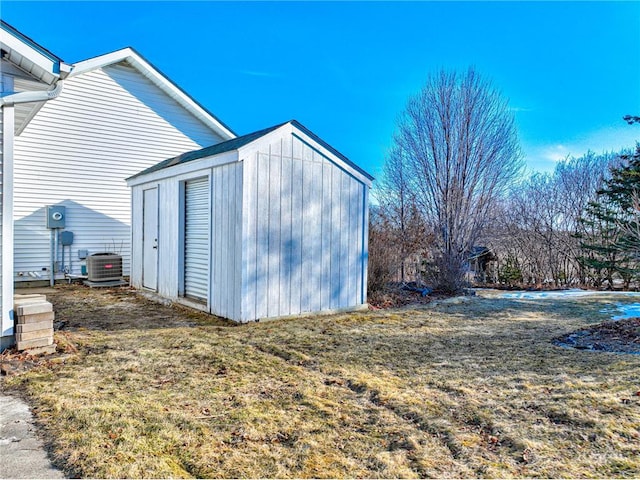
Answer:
(33, 96)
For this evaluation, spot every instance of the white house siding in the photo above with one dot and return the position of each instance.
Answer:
(304, 244)
(107, 125)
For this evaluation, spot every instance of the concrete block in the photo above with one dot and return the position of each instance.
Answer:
(38, 342)
(34, 335)
(32, 327)
(36, 318)
(33, 308)
(31, 298)
(46, 350)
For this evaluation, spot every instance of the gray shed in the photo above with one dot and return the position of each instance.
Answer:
(270, 224)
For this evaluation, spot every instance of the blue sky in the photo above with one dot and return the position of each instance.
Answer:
(345, 70)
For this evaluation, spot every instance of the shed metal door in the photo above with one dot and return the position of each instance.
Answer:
(196, 239)
(150, 238)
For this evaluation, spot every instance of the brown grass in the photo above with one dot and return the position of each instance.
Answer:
(471, 389)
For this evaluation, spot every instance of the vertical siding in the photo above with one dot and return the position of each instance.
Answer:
(249, 238)
(136, 237)
(262, 236)
(313, 208)
(226, 210)
(365, 243)
(107, 125)
(304, 244)
(168, 234)
(297, 238)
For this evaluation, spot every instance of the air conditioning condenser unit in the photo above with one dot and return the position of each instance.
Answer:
(104, 267)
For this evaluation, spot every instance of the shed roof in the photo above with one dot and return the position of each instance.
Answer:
(238, 142)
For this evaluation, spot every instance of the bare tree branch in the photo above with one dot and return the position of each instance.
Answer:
(458, 144)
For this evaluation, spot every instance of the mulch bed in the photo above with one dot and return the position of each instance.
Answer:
(621, 336)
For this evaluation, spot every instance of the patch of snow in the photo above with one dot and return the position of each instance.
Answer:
(628, 311)
(574, 292)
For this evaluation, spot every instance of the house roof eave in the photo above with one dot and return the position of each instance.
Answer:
(30, 56)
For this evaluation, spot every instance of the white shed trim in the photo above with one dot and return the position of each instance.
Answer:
(185, 171)
(130, 56)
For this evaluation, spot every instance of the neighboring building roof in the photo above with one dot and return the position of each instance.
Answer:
(137, 61)
(238, 142)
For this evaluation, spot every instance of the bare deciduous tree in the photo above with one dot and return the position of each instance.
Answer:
(397, 204)
(458, 146)
(537, 223)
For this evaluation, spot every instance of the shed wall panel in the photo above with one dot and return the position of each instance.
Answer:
(106, 125)
(262, 236)
(136, 238)
(303, 247)
(327, 237)
(168, 234)
(226, 230)
(313, 210)
(274, 254)
(297, 238)
(249, 237)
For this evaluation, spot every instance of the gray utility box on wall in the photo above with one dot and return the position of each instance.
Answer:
(104, 267)
(56, 216)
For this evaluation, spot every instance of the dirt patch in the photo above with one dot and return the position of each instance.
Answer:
(622, 336)
(78, 308)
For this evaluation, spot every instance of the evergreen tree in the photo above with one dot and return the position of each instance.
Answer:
(610, 241)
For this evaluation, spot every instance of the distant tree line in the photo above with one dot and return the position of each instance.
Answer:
(540, 235)
(452, 207)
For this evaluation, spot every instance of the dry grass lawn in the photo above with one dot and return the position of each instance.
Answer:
(472, 389)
